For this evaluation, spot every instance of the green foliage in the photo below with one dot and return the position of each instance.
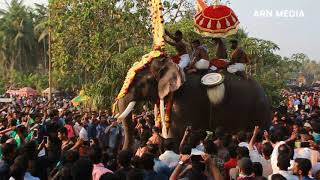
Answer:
(34, 80)
(95, 43)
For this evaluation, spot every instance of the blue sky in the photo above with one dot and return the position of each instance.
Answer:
(292, 34)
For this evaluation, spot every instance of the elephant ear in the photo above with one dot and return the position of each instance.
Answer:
(171, 81)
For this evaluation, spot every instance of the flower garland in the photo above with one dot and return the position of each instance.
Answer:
(138, 66)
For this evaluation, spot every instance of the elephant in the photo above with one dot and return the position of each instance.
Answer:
(240, 105)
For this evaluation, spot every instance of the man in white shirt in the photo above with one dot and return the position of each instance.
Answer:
(279, 135)
(169, 157)
(283, 165)
(264, 159)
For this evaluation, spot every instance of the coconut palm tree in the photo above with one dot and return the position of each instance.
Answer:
(16, 29)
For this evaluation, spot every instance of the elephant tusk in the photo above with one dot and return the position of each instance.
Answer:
(117, 115)
(127, 110)
(162, 115)
(155, 112)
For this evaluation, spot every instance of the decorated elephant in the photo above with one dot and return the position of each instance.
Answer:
(236, 104)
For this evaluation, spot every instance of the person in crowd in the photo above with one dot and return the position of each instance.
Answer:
(264, 158)
(8, 156)
(147, 161)
(169, 157)
(95, 155)
(114, 134)
(182, 58)
(66, 143)
(283, 165)
(159, 166)
(82, 169)
(245, 166)
(124, 163)
(302, 168)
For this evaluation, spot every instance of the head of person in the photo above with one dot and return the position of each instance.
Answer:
(178, 35)
(286, 150)
(242, 152)
(302, 167)
(257, 169)
(136, 162)
(245, 166)
(277, 177)
(156, 130)
(82, 169)
(267, 150)
(124, 158)
(211, 148)
(283, 162)
(135, 174)
(232, 152)
(63, 133)
(195, 44)
(113, 122)
(95, 155)
(17, 171)
(110, 176)
(153, 149)
(169, 144)
(22, 131)
(234, 44)
(8, 151)
(147, 161)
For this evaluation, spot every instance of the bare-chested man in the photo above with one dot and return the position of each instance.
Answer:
(238, 58)
(180, 46)
(200, 58)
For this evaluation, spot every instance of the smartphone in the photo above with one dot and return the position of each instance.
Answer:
(35, 133)
(189, 128)
(305, 144)
(45, 139)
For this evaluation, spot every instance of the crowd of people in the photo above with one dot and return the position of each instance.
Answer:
(55, 140)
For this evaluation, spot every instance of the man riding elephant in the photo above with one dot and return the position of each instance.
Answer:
(200, 57)
(238, 59)
(182, 58)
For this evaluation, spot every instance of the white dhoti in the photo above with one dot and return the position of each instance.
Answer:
(184, 61)
(202, 64)
(233, 68)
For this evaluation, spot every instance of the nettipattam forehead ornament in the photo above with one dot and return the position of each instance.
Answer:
(216, 20)
(136, 67)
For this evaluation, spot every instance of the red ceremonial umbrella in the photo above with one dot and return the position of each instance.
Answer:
(216, 21)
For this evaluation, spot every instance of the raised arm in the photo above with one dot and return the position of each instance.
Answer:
(183, 160)
(184, 139)
(169, 35)
(169, 42)
(253, 138)
(214, 170)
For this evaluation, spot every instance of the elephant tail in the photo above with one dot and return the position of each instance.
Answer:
(216, 94)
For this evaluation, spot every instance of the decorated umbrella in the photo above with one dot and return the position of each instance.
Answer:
(216, 20)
